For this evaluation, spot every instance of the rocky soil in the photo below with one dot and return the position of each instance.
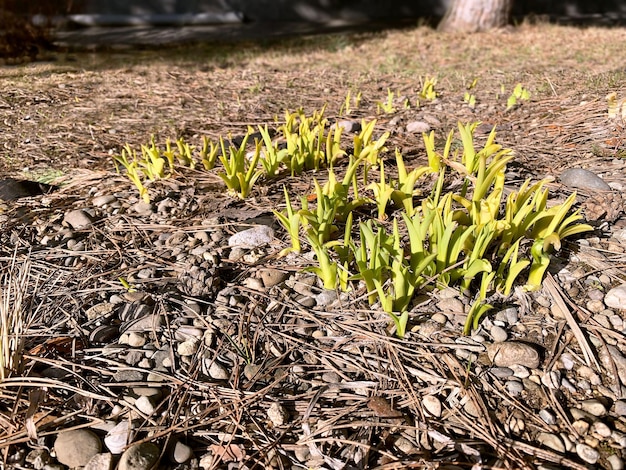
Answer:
(171, 334)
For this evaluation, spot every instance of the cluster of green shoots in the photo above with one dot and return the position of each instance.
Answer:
(472, 236)
(448, 223)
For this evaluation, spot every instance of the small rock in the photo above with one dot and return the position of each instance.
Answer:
(615, 462)
(218, 371)
(432, 405)
(587, 453)
(450, 305)
(188, 347)
(272, 277)
(136, 340)
(251, 370)
(143, 208)
(616, 297)
(252, 237)
(547, 416)
(100, 462)
(326, 297)
(498, 334)
(75, 448)
(145, 405)
(103, 200)
(594, 407)
(551, 441)
(182, 453)
(583, 179)
(417, 127)
(78, 219)
(277, 414)
(349, 126)
(510, 353)
(620, 407)
(601, 429)
(118, 437)
(139, 457)
(514, 387)
(128, 375)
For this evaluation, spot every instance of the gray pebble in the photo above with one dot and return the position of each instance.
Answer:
(583, 179)
(514, 387)
(501, 372)
(103, 200)
(349, 126)
(145, 405)
(182, 453)
(498, 334)
(143, 208)
(78, 219)
(128, 375)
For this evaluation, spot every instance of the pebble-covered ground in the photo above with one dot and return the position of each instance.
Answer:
(170, 334)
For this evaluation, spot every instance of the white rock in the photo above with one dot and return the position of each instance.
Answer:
(583, 179)
(511, 353)
(593, 407)
(432, 405)
(188, 347)
(218, 371)
(616, 297)
(552, 441)
(145, 405)
(252, 237)
(615, 462)
(587, 453)
(118, 437)
(182, 453)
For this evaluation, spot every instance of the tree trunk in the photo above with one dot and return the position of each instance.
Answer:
(476, 15)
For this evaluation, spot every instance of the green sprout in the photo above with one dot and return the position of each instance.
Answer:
(519, 94)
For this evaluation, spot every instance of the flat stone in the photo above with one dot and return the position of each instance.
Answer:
(252, 237)
(272, 277)
(594, 407)
(498, 334)
(616, 297)
(587, 453)
(349, 126)
(551, 441)
(511, 353)
(432, 405)
(218, 372)
(78, 219)
(417, 127)
(145, 405)
(76, 448)
(583, 179)
(615, 462)
(182, 453)
(117, 438)
(103, 200)
(128, 375)
(139, 457)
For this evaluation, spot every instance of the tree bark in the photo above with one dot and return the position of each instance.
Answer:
(476, 15)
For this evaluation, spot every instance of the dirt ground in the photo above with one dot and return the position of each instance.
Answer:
(69, 112)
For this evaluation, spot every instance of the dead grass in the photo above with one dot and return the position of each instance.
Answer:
(73, 112)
